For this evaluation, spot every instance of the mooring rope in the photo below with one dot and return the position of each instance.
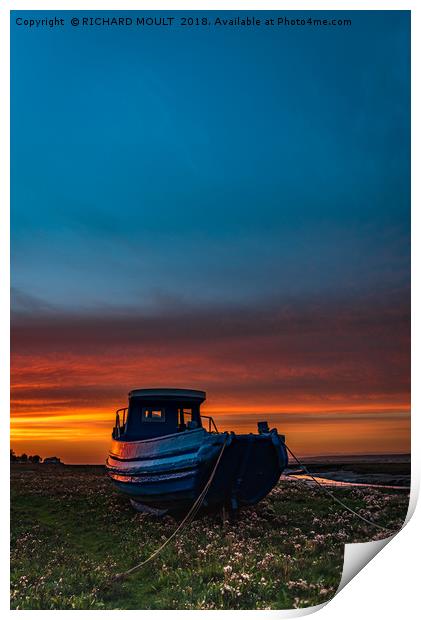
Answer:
(325, 490)
(188, 518)
(199, 501)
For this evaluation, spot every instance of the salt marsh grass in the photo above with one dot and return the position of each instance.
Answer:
(72, 532)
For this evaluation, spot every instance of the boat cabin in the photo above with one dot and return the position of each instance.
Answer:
(160, 411)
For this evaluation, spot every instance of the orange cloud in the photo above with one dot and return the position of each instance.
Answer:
(334, 381)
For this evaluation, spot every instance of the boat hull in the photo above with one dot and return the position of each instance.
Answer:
(168, 473)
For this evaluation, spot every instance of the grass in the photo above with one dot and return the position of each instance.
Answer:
(72, 532)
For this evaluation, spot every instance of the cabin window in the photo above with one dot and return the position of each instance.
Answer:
(153, 415)
(182, 412)
(182, 420)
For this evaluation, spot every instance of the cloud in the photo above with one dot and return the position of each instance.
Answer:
(323, 353)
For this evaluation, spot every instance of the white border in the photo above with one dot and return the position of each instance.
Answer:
(387, 586)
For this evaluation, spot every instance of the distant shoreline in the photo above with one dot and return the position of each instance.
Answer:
(389, 469)
(316, 459)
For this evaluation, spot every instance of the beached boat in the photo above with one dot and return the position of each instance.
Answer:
(162, 456)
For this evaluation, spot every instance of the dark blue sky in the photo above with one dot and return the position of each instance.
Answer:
(218, 165)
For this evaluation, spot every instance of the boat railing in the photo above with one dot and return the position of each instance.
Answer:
(211, 422)
(119, 426)
(120, 422)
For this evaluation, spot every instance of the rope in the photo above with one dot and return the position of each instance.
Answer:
(325, 490)
(199, 500)
(188, 518)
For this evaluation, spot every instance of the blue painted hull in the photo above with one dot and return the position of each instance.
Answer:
(168, 473)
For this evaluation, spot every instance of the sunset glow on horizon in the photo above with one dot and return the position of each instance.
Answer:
(85, 437)
(70, 375)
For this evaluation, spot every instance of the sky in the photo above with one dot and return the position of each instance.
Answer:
(218, 208)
